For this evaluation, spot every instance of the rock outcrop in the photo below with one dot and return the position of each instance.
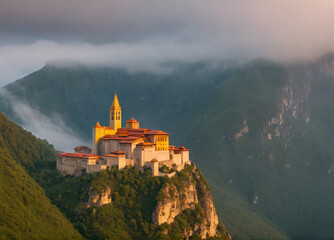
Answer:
(189, 191)
(98, 200)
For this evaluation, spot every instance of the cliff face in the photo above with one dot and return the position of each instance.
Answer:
(129, 204)
(190, 191)
(98, 200)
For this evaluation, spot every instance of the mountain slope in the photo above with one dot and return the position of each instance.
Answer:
(25, 211)
(275, 143)
(261, 132)
(124, 204)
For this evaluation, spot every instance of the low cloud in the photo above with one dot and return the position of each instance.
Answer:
(140, 35)
(51, 128)
(19, 60)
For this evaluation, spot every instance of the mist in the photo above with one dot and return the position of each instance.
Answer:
(141, 35)
(52, 127)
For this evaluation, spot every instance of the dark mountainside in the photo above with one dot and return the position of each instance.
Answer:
(113, 204)
(25, 211)
(261, 133)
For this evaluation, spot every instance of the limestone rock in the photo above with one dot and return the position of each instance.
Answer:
(98, 200)
(176, 200)
(175, 203)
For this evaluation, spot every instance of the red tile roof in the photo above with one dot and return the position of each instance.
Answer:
(154, 160)
(112, 155)
(156, 132)
(140, 130)
(136, 133)
(123, 130)
(126, 142)
(118, 152)
(183, 149)
(81, 147)
(145, 144)
(78, 155)
(113, 137)
(132, 121)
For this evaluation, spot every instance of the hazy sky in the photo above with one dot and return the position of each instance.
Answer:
(141, 34)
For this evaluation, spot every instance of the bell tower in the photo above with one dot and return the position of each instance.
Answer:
(115, 114)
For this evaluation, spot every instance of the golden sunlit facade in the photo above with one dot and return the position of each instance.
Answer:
(161, 143)
(115, 114)
(130, 146)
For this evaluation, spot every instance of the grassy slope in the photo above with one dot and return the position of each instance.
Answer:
(241, 219)
(25, 211)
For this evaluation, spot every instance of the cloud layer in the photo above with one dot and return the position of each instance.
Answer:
(142, 34)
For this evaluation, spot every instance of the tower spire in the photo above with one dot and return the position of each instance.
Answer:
(115, 103)
(115, 114)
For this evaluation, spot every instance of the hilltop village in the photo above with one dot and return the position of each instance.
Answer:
(130, 146)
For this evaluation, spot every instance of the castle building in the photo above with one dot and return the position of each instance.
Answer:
(121, 147)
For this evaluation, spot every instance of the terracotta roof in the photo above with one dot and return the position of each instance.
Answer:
(125, 142)
(183, 149)
(112, 155)
(132, 121)
(97, 125)
(140, 130)
(136, 133)
(79, 155)
(154, 160)
(113, 137)
(81, 147)
(123, 129)
(145, 144)
(117, 152)
(156, 132)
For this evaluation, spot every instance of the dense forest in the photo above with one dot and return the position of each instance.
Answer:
(129, 215)
(25, 210)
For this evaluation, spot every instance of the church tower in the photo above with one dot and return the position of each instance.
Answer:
(115, 114)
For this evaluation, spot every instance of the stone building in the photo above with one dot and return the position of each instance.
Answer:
(121, 147)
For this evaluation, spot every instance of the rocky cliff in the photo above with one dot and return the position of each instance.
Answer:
(180, 207)
(99, 199)
(191, 192)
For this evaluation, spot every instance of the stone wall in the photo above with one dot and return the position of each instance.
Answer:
(70, 165)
